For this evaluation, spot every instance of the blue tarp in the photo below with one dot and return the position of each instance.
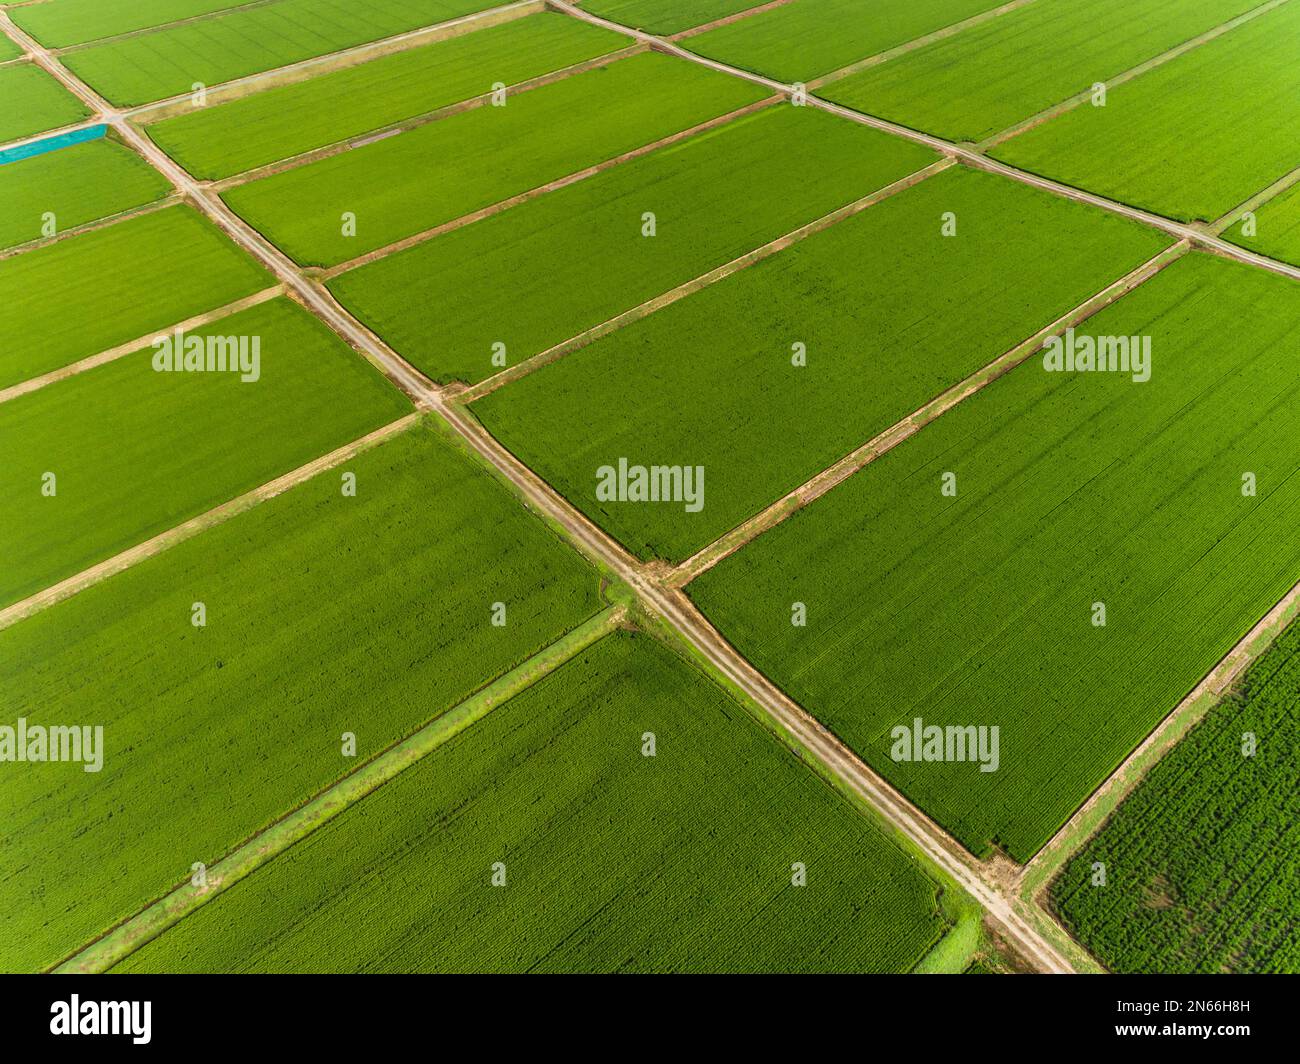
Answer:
(63, 140)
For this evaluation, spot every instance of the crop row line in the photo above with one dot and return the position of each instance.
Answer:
(120, 941)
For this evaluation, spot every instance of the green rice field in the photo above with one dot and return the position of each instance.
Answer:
(649, 486)
(211, 733)
(667, 16)
(986, 79)
(883, 335)
(71, 187)
(791, 42)
(97, 290)
(278, 123)
(1072, 489)
(602, 847)
(1224, 112)
(550, 268)
(60, 23)
(165, 446)
(1201, 865)
(170, 60)
(35, 102)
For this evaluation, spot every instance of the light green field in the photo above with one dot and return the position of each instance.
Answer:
(987, 78)
(1072, 489)
(417, 180)
(666, 16)
(1203, 858)
(59, 23)
(326, 614)
(92, 292)
(546, 270)
(8, 49)
(249, 132)
(604, 849)
(79, 184)
(1191, 139)
(169, 61)
(162, 447)
(34, 101)
(807, 38)
(709, 382)
(1277, 228)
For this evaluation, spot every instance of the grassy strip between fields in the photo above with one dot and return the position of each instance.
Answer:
(954, 952)
(123, 940)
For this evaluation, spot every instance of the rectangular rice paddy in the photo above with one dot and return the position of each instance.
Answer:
(97, 290)
(1202, 859)
(169, 61)
(546, 270)
(50, 193)
(412, 182)
(987, 78)
(804, 39)
(224, 139)
(8, 49)
(60, 23)
(1060, 557)
(325, 614)
(135, 451)
(1191, 139)
(667, 16)
(34, 101)
(613, 861)
(711, 380)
